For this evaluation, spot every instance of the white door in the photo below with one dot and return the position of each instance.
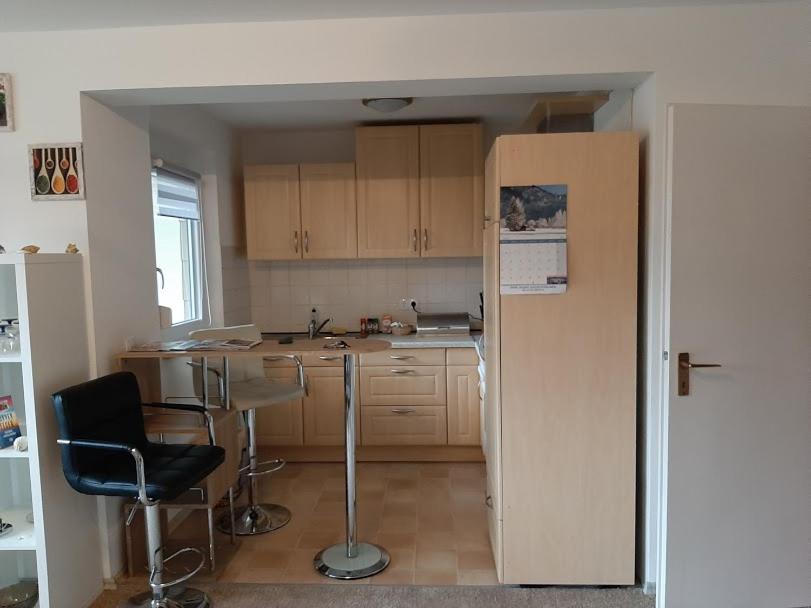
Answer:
(738, 498)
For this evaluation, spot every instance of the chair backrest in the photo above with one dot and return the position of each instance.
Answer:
(105, 409)
(240, 368)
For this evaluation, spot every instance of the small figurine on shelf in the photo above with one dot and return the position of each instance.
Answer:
(71, 248)
(29, 249)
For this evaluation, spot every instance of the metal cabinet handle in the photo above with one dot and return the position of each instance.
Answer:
(306, 241)
(414, 240)
(295, 240)
(328, 358)
(425, 238)
(402, 371)
(403, 410)
(401, 357)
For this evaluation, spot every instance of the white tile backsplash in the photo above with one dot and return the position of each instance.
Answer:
(282, 293)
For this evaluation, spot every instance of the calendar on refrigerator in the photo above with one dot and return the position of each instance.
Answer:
(533, 239)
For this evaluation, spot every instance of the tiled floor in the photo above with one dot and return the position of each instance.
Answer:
(431, 517)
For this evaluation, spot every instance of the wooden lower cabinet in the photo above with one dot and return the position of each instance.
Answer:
(463, 405)
(280, 424)
(403, 385)
(404, 425)
(324, 407)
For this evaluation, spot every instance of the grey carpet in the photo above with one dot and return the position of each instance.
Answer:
(244, 595)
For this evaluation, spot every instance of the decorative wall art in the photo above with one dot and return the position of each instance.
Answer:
(533, 239)
(56, 172)
(6, 114)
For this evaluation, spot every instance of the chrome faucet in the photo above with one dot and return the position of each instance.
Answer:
(313, 329)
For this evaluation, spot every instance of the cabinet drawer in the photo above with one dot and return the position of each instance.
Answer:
(404, 425)
(309, 360)
(403, 385)
(462, 356)
(405, 356)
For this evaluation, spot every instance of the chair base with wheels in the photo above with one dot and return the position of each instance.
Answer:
(105, 452)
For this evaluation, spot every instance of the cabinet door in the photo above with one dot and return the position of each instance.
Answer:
(280, 424)
(388, 191)
(272, 219)
(451, 190)
(324, 407)
(418, 385)
(463, 405)
(328, 214)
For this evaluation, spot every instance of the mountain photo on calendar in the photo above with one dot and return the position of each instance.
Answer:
(532, 208)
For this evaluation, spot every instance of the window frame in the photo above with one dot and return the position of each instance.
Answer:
(198, 249)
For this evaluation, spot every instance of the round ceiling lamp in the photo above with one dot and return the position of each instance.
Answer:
(388, 104)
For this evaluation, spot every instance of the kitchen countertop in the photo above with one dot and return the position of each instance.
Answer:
(409, 341)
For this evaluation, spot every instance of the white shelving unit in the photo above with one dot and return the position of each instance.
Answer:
(46, 293)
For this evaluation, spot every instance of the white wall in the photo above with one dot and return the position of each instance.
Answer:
(283, 293)
(746, 54)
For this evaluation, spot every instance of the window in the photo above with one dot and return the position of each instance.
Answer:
(178, 244)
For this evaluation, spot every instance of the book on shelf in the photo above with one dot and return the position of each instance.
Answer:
(195, 345)
(9, 425)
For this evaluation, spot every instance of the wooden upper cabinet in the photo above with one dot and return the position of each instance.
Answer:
(328, 211)
(272, 218)
(388, 191)
(451, 190)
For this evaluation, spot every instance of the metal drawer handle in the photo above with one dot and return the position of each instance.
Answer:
(402, 371)
(295, 240)
(401, 357)
(403, 410)
(414, 240)
(327, 358)
(488, 500)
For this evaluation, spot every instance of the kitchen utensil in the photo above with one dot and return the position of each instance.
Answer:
(63, 161)
(43, 182)
(57, 180)
(72, 179)
(49, 163)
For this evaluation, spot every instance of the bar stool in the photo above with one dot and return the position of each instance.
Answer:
(105, 452)
(249, 389)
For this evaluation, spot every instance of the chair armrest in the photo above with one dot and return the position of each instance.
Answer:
(140, 474)
(208, 419)
(301, 380)
(218, 374)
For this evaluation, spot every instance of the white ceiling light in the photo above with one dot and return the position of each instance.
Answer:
(388, 104)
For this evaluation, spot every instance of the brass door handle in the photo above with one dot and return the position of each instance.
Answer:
(684, 372)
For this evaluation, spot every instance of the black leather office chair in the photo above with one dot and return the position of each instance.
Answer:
(105, 452)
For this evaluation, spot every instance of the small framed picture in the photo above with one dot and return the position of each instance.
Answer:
(56, 172)
(6, 113)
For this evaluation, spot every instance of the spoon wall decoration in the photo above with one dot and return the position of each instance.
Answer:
(55, 171)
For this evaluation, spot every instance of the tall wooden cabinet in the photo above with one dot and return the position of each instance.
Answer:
(560, 428)
(295, 212)
(272, 214)
(388, 191)
(451, 190)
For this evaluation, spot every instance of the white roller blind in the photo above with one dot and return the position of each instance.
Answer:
(176, 195)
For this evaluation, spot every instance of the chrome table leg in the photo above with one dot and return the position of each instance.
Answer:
(351, 559)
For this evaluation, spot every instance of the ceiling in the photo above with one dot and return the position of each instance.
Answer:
(344, 113)
(45, 15)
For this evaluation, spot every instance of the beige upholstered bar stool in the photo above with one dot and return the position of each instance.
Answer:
(250, 389)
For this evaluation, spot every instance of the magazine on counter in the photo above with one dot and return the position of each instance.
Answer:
(195, 345)
(9, 425)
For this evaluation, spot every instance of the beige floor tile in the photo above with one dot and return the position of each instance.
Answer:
(436, 559)
(403, 576)
(396, 540)
(400, 509)
(475, 559)
(397, 523)
(435, 577)
(255, 575)
(436, 541)
(401, 559)
(400, 496)
(318, 540)
(401, 484)
(477, 577)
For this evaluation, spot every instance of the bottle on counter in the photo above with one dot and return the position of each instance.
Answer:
(386, 325)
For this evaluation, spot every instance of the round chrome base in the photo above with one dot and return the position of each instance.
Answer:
(176, 597)
(257, 519)
(368, 561)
